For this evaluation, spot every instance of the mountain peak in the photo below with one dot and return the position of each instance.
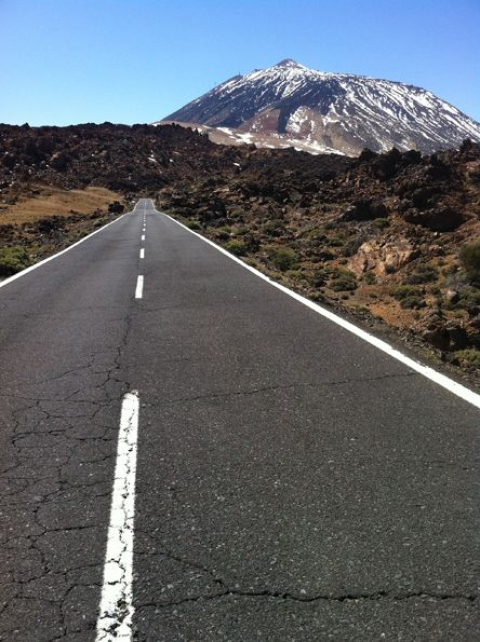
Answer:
(289, 62)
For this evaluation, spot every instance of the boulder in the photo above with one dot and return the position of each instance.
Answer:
(365, 210)
(382, 257)
(440, 219)
(59, 161)
(115, 208)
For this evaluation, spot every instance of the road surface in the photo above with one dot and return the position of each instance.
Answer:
(277, 478)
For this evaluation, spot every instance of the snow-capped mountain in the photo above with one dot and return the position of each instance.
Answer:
(291, 105)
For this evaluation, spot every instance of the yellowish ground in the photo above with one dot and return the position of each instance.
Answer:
(56, 202)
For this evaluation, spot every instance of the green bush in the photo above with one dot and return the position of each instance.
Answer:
(342, 284)
(295, 274)
(314, 234)
(469, 357)
(13, 260)
(469, 297)
(342, 280)
(318, 297)
(192, 224)
(283, 258)
(400, 292)
(239, 248)
(353, 245)
(274, 228)
(412, 303)
(470, 260)
(318, 277)
(369, 278)
(380, 223)
(423, 274)
(336, 241)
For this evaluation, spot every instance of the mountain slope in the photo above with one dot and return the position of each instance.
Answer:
(291, 104)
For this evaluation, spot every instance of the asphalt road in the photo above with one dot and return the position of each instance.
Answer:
(293, 483)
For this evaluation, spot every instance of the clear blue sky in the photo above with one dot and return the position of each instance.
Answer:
(128, 61)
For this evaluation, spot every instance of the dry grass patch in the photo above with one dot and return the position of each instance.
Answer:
(56, 202)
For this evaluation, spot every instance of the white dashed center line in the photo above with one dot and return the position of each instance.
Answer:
(116, 607)
(142, 253)
(139, 288)
(143, 237)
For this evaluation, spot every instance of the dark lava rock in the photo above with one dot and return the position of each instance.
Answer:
(115, 208)
(365, 210)
(59, 161)
(441, 219)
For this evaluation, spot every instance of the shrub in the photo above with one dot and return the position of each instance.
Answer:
(314, 234)
(13, 259)
(469, 297)
(400, 292)
(239, 248)
(274, 228)
(369, 278)
(470, 260)
(423, 274)
(192, 224)
(343, 280)
(412, 303)
(318, 277)
(380, 223)
(354, 245)
(469, 357)
(335, 241)
(283, 258)
(343, 284)
(295, 274)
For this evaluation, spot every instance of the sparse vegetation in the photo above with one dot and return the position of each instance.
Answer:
(468, 297)
(193, 224)
(409, 296)
(343, 281)
(380, 223)
(283, 258)
(469, 358)
(13, 260)
(412, 303)
(470, 260)
(401, 292)
(424, 273)
(239, 248)
(369, 278)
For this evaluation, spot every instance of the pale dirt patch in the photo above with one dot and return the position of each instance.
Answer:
(50, 201)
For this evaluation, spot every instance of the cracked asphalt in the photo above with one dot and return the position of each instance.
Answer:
(293, 482)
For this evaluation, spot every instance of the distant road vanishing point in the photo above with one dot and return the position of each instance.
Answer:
(188, 453)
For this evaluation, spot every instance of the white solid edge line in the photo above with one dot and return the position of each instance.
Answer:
(116, 604)
(142, 253)
(54, 256)
(442, 380)
(139, 288)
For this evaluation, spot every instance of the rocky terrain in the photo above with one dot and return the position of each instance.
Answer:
(380, 237)
(79, 162)
(389, 238)
(289, 105)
